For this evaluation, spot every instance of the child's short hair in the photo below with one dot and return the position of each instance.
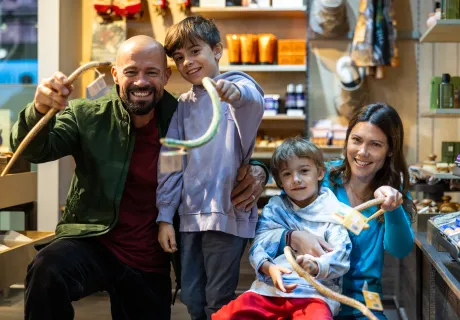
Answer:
(295, 147)
(190, 29)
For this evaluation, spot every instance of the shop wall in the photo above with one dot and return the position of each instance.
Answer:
(398, 88)
(435, 59)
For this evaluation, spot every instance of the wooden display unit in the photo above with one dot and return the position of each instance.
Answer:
(245, 12)
(443, 31)
(17, 248)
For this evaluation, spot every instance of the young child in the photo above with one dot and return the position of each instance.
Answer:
(213, 232)
(279, 293)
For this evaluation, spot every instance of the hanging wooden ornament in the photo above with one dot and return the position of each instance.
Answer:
(160, 6)
(131, 9)
(184, 5)
(103, 7)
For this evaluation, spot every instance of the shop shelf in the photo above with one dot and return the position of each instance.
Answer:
(284, 117)
(264, 68)
(443, 175)
(19, 188)
(18, 251)
(257, 68)
(441, 113)
(245, 12)
(262, 155)
(402, 35)
(443, 31)
(328, 151)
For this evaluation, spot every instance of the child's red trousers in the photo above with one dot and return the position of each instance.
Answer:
(253, 306)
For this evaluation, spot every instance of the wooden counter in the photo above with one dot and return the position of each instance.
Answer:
(430, 283)
(14, 261)
(18, 192)
(19, 188)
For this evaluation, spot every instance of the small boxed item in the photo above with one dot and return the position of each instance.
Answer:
(212, 3)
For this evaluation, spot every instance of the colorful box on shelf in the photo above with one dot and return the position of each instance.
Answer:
(292, 51)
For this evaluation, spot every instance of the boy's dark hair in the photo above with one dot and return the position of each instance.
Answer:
(191, 29)
(295, 147)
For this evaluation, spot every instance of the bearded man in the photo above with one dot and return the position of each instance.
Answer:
(107, 239)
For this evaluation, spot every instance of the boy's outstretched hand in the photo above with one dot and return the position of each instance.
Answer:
(276, 273)
(227, 91)
(167, 237)
(308, 264)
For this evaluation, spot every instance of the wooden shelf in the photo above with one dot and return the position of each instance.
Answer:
(262, 155)
(19, 188)
(14, 261)
(257, 68)
(443, 31)
(326, 150)
(264, 68)
(283, 117)
(441, 113)
(331, 149)
(246, 12)
(402, 35)
(447, 176)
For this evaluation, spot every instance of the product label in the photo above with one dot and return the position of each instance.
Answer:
(171, 161)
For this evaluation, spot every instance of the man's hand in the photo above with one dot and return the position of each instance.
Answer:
(276, 273)
(52, 93)
(308, 264)
(227, 91)
(251, 182)
(306, 243)
(167, 237)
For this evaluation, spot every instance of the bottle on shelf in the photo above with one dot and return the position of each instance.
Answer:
(446, 92)
(449, 9)
(290, 101)
(300, 99)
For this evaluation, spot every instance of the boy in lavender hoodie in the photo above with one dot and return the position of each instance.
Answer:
(213, 232)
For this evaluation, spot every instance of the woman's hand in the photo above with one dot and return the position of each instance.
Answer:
(251, 182)
(393, 198)
(305, 242)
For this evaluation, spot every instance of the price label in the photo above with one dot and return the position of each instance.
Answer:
(351, 219)
(372, 300)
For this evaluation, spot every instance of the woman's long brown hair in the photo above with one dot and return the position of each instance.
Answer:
(394, 172)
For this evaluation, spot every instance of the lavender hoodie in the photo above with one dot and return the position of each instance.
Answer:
(201, 191)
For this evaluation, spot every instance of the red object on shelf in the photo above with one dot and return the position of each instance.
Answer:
(102, 6)
(127, 7)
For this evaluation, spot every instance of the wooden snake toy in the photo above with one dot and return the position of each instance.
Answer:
(49, 115)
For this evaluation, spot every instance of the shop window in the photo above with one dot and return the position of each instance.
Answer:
(18, 61)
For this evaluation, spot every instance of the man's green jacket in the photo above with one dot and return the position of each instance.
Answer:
(99, 136)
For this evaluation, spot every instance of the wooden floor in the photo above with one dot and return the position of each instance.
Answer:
(97, 307)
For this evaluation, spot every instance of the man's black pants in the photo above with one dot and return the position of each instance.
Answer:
(70, 269)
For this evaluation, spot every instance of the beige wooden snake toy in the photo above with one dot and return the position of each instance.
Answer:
(49, 115)
(326, 291)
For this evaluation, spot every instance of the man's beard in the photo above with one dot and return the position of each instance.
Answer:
(140, 108)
